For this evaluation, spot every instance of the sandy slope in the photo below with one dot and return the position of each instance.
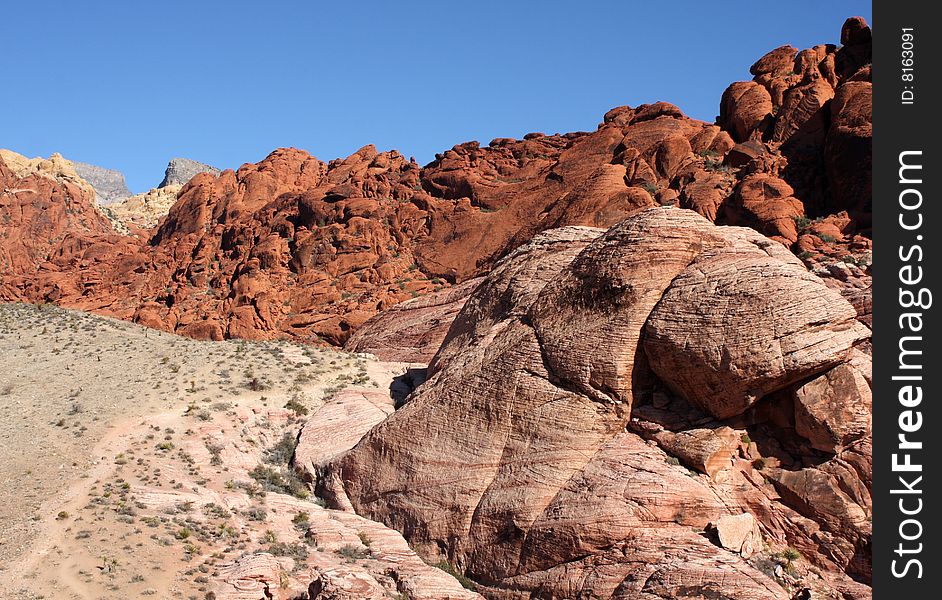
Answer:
(128, 456)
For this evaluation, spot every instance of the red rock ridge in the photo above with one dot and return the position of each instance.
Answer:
(295, 247)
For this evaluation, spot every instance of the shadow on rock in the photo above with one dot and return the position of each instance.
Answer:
(403, 385)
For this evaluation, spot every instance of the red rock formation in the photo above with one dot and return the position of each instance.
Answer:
(295, 247)
(612, 347)
(47, 225)
(813, 108)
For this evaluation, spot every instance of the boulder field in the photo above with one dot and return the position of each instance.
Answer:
(294, 247)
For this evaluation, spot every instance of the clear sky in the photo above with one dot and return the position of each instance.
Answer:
(128, 85)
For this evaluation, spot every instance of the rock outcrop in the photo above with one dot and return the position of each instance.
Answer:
(762, 322)
(49, 218)
(813, 109)
(294, 247)
(739, 533)
(108, 183)
(336, 427)
(144, 211)
(834, 410)
(547, 363)
(413, 330)
(56, 167)
(181, 170)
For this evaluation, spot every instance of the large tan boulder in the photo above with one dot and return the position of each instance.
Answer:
(834, 410)
(255, 576)
(746, 320)
(590, 317)
(512, 287)
(739, 533)
(337, 426)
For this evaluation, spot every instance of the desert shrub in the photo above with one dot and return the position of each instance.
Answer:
(790, 554)
(802, 223)
(295, 551)
(281, 452)
(451, 570)
(215, 453)
(302, 521)
(256, 513)
(214, 510)
(278, 480)
(352, 552)
(295, 405)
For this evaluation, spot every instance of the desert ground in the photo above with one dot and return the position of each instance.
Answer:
(141, 464)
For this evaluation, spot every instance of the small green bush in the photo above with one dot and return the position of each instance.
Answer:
(281, 452)
(295, 405)
(465, 582)
(801, 223)
(352, 552)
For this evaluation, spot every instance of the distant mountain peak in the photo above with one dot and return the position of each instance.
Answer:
(109, 184)
(181, 170)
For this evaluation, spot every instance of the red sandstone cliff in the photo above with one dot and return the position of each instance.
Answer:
(295, 247)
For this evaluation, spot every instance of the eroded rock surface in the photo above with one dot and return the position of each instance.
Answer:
(744, 320)
(545, 364)
(413, 330)
(834, 409)
(294, 247)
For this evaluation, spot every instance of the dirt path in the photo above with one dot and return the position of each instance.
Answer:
(75, 386)
(167, 474)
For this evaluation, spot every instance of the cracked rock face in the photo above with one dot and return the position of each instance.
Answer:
(542, 369)
(412, 331)
(834, 410)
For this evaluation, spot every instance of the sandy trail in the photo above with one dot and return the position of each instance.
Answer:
(147, 465)
(70, 499)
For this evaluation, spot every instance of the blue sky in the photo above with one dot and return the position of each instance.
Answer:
(128, 85)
